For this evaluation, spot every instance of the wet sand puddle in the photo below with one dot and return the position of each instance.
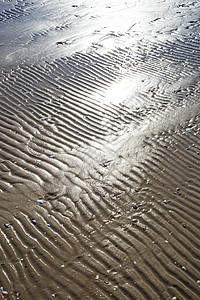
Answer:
(99, 155)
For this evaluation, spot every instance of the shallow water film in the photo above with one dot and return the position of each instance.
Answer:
(99, 149)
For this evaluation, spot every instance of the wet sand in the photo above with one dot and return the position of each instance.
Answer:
(99, 150)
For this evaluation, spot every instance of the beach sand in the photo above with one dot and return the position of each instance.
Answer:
(99, 150)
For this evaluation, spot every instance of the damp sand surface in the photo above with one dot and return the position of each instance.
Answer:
(99, 150)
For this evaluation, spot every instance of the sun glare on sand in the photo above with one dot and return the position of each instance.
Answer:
(120, 91)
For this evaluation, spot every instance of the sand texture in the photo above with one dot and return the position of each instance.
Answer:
(99, 150)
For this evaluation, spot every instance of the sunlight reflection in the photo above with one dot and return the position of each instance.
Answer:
(122, 91)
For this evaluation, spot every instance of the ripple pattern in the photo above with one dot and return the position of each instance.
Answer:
(19, 9)
(85, 212)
